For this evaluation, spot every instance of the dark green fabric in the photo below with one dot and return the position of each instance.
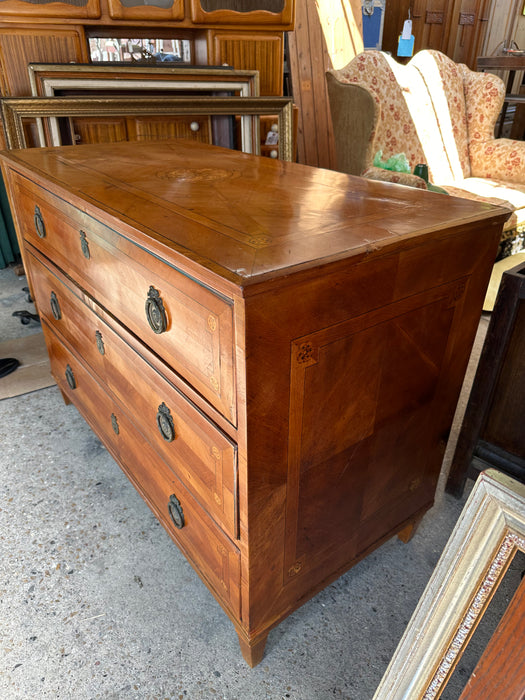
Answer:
(9, 250)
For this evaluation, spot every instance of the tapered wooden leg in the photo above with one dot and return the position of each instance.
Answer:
(253, 651)
(406, 534)
(67, 400)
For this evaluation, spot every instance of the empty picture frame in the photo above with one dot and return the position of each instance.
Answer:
(78, 79)
(17, 109)
(489, 532)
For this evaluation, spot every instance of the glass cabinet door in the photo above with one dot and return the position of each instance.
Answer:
(87, 9)
(263, 12)
(146, 9)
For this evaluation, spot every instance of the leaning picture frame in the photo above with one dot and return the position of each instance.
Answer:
(487, 536)
(17, 109)
(104, 80)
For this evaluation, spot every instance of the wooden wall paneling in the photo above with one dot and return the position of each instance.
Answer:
(20, 45)
(502, 24)
(318, 43)
(251, 51)
(466, 26)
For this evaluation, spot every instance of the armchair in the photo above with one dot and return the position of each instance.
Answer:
(436, 112)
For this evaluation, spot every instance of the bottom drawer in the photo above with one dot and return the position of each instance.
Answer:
(210, 552)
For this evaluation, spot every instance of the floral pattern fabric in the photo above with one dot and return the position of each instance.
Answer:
(443, 114)
(409, 179)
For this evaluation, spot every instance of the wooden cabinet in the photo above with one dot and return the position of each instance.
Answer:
(109, 130)
(272, 353)
(21, 45)
(251, 51)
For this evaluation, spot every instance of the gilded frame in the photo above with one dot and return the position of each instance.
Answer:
(48, 79)
(16, 109)
(489, 532)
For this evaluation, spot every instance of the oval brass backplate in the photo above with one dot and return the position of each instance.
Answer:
(165, 423)
(39, 223)
(155, 312)
(176, 512)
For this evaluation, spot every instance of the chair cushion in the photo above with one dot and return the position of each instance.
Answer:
(444, 81)
(501, 193)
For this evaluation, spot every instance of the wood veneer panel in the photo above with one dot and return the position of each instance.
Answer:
(22, 45)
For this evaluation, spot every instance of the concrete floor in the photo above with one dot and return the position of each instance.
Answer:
(97, 602)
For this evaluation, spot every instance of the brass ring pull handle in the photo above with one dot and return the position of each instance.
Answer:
(84, 245)
(176, 512)
(165, 423)
(70, 377)
(155, 312)
(39, 223)
(55, 307)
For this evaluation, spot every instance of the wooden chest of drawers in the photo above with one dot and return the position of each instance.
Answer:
(272, 353)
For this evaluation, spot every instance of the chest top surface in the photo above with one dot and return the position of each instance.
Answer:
(244, 217)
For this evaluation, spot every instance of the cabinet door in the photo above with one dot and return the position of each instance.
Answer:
(146, 9)
(49, 8)
(50, 44)
(251, 51)
(468, 24)
(112, 129)
(252, 12)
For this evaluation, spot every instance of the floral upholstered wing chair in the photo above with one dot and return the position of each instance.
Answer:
(436, 112)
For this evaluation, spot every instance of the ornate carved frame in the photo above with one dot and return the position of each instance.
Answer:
(55, 79)
(489, 532)
(16, 109)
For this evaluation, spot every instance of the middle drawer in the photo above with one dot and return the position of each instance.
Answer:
(200, 454)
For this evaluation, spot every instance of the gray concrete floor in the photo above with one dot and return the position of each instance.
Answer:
(97, 602)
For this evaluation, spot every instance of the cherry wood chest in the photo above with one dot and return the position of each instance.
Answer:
(271, 352)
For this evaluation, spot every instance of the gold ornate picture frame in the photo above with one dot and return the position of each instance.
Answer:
(83, 80)
(15, 110)
(488, 534)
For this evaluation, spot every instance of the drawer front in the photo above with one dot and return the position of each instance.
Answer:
(184, 322)
(211, 553)
(197, 451)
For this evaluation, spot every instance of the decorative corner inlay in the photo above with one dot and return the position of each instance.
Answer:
(218, 499)
(305, 353)
(414, 484)
(498, 566)
(214, 383)
(459, 291)
(216, 452)
(294, 570)
(212, 323)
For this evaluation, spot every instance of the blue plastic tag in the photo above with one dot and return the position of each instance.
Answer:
(405, 47)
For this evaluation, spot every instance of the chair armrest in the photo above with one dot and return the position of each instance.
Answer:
(498, 159)
(374, 173)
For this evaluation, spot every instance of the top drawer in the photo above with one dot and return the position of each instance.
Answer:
(181, 320)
